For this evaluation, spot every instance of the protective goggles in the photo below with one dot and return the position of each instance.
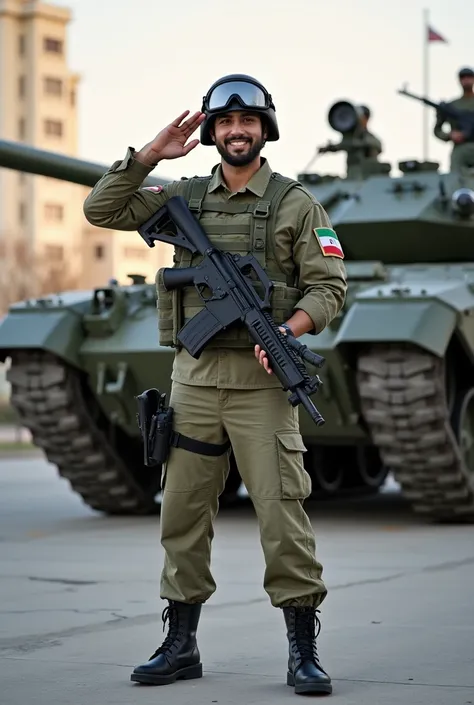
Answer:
(247, 94)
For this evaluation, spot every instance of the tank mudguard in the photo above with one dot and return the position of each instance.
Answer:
(429, 324)
(56, 331)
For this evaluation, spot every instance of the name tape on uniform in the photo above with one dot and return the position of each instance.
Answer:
(329, 242)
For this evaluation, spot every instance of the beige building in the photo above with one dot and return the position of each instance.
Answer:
(45, 240)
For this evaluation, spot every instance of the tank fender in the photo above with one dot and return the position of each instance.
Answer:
(56, 331)
(429, 324)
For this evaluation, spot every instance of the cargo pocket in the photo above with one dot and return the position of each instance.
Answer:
(168, 305)
(295, 481)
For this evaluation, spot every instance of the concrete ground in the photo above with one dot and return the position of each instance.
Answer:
(79, 604)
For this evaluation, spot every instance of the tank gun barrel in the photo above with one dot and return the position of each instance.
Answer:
(22, 157)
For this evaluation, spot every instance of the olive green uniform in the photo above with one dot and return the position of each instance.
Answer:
(462, 155)
(226, 393)
(362, 148)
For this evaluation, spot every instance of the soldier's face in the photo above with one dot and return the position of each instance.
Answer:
(239, 137)
(467, 82)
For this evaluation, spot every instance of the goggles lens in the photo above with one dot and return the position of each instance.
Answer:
(249, 95)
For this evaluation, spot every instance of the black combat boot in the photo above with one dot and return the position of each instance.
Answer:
(305, 672)
(178, 656)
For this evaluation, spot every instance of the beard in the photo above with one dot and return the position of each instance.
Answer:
(245, 158)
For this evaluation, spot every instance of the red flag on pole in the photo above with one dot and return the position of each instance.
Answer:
(434, 36)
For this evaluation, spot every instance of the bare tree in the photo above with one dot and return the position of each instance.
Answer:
(26, 273)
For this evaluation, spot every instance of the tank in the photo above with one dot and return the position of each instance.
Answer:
(398, 383)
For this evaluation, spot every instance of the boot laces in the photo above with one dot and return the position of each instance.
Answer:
(306, 622)
(170, 615)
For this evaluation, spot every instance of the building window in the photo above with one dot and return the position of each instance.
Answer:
(53, 86)
(22, 86)
(21, 129)
(54, 253)
(21, 44)
(53, 46)
(73, 98)
(99, 252)
(53, 212)
(53, 127)
(22, 212)
(135, 253)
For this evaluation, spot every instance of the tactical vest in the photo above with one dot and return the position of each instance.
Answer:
(250, 230)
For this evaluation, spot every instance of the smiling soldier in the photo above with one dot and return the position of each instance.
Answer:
(226, 395)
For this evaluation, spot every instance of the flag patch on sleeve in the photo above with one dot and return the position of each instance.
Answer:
(328, 242)
(155, 189)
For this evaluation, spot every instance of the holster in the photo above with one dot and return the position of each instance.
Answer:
(155, 421)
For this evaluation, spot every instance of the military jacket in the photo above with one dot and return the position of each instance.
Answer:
(119, 201)
(360, 146)
(462, 103)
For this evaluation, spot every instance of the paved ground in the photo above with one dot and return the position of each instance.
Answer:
(79, 605)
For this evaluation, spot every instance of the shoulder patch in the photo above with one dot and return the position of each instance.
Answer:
(328, 242)
(155, 189)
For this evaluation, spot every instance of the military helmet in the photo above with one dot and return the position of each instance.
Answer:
(237, 91)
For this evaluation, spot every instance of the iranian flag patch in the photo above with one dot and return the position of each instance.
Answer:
(329, 242)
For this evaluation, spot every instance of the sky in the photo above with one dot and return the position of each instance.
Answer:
(143, 62)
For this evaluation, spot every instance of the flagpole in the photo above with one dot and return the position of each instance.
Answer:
(426, 80)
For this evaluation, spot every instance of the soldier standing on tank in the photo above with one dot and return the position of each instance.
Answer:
(462, 153)
(244, 207)
(361, 145)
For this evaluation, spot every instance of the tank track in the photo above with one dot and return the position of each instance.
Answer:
(403, 400)
(50, 400)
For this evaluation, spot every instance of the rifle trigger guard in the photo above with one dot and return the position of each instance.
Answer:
(216, 295)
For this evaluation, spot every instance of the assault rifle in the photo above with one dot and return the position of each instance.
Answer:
(232, 298)
(464, 118)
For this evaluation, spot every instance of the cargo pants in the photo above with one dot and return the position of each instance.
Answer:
(462, 156)
(263, 429)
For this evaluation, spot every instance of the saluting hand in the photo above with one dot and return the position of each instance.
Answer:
(170, 143)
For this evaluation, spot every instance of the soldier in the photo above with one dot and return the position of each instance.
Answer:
(361, 145)
(225, 394)
(462, 153)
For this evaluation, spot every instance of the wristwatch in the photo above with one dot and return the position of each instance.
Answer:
(286, 327)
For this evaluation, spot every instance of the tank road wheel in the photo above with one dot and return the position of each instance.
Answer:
(463, 427)
(325, 469)
(366, 471)
(66, 423)
(345, 470)
(404, 401)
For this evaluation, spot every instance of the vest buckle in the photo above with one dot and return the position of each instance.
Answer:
(262, 209)
(195, 204)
